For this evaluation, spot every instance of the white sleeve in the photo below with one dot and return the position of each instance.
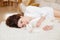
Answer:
(29, 27)
(23, 7)
(32, 9)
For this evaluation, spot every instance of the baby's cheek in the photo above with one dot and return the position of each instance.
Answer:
(19, 24)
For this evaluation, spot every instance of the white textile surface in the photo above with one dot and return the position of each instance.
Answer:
(7, 33)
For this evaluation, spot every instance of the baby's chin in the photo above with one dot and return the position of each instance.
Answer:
(19, 26)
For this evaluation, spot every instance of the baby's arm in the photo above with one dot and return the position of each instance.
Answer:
(40, 21)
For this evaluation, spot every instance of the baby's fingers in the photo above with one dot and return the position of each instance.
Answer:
(46, 28)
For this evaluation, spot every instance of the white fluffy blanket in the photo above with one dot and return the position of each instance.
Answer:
(7, 33)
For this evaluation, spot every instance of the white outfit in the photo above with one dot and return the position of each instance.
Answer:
(36, 13)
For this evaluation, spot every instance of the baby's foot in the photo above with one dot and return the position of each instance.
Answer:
(47, 28)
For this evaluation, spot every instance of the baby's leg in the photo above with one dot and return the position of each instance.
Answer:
(47, 28)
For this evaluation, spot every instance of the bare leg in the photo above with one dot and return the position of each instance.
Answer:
(57, 13)
(47, 28)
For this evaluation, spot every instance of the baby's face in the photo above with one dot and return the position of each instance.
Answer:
(22, 22)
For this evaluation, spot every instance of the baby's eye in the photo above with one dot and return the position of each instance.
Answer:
(21, 22)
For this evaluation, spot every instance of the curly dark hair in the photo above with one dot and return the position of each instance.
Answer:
(12, 21)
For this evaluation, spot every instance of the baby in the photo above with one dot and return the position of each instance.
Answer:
(32, 12)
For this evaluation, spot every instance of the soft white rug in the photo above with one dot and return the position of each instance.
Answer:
(7, 33)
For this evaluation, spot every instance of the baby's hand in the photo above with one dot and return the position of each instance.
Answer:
(46, 28)
(38, 24)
